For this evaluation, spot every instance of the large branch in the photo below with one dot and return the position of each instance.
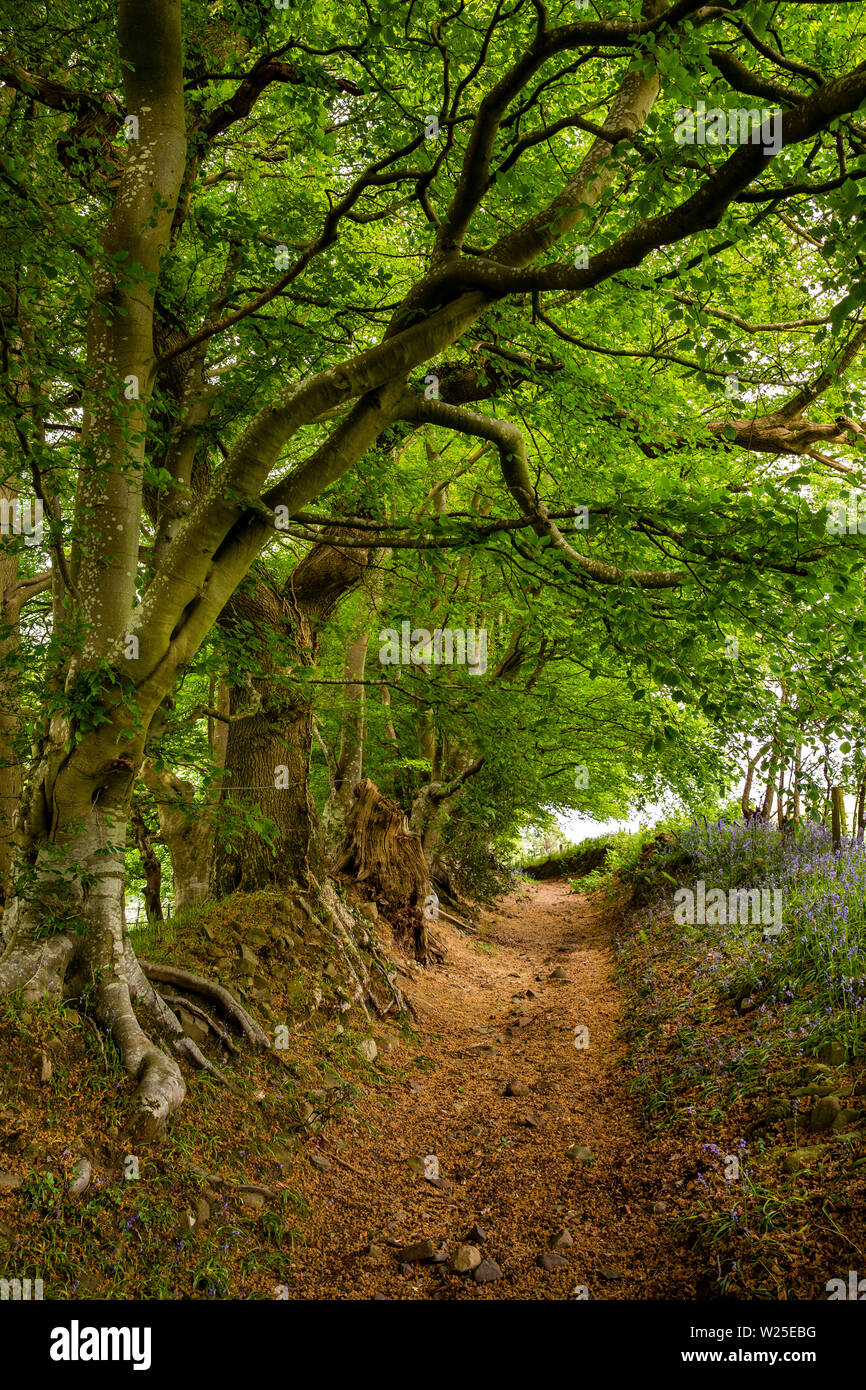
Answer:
(56, 95)
(703, 210)
(262, 75)
(515, 470)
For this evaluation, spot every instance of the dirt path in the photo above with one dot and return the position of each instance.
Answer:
(504, 1158)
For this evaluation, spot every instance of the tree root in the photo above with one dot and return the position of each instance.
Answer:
(343, 924)
(186, 1048)
(401, 1002)
(208, 989)
(161, 1087)
(178, 1001)
(455, 921)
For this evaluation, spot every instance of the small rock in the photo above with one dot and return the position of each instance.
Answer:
(45, 1069)
(407, 1271)
(374, 1254)
(466, 1259)
(79, 1178)
(845, 1118)
(517, 1088)
(368, 1050)
(420, 1252)
(370, 911)
(319, 1161)
(815, 1069)
(823, 1114)
(549, 1260)
(659, 1208)
(798, 1158)
(487, 1271)
(558, 974)
(579, 1153)
(606, 1272)
(475, 1236)
(254, 1200)
(194, 1028)
(562, 1240)
(835, 1054)
(202, 1211)
(10, 1182)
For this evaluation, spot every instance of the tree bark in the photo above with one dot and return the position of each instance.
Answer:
(150, 865)
(385, 861)
(347, 773)
(185, 825)
(838, 809)
(268, 752)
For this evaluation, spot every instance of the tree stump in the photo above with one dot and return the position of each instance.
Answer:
(381, 856)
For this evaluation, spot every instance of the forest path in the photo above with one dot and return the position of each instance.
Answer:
(504, 1158)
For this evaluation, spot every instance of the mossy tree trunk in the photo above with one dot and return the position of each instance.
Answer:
(268, 750)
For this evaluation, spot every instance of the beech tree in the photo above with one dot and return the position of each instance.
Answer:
(249, 252)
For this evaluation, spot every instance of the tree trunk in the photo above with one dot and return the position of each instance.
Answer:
(838, 806)
(64, 930)
(150, 865)
(186, 828)
(770, 792)
(10, 779)
(268, 751)
(452, 767)
(386, 862)
(347, 773)
(747, 786)
(798, 762)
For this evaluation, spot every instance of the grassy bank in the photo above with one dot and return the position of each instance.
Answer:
(215, 1208)
(750, 1052)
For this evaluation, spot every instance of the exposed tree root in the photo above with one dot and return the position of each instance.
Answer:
(161, 1087)
(179, 1002)
(196, 984)
(343, 936)
(455, 921)
(192, 1053)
